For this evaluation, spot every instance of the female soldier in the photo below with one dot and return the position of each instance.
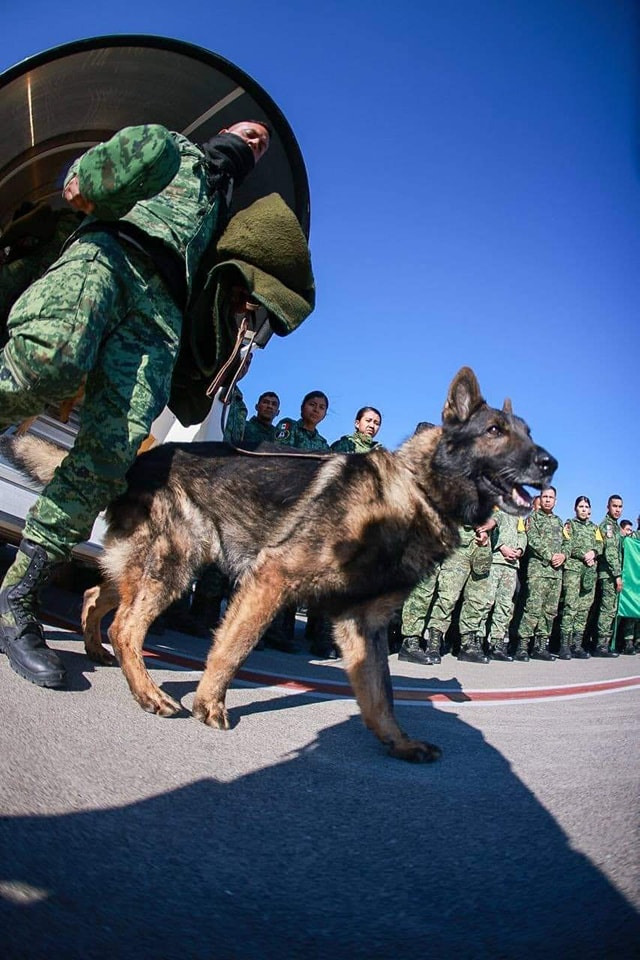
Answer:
(583, 546)
(368, 421)
(303, 433)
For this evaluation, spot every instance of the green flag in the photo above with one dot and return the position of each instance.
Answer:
(629, 599)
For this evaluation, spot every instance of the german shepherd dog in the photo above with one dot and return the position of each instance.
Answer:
(352, 532)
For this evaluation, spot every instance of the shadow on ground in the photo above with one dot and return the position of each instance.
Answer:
(336, 852)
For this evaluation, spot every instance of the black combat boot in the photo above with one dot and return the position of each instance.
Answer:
(522, 650)
(433, 645)
(541, 649)
(21, 634)
(319, 631)
(603, 649)
(565, 648)
(629, 649)
(577, 650)
(412, 652)
(471, 649)
(500, 651)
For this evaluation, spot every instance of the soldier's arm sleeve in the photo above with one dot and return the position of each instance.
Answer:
(521, 537)
(569, 546)
(598, 545)
(135, 164)
(537, 545)
(343, 445)
(610, 553)
(496, 535)
(236, 420)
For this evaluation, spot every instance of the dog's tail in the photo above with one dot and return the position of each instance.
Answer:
(34, 457)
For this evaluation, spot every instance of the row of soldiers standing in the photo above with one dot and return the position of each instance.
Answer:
(509, 578)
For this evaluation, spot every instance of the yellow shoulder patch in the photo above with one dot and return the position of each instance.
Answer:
(599, 535)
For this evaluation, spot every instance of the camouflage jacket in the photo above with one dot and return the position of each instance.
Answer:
(157, 180)
(236, 418)
(355, 443)
(545, 537)
(293, 433)
(257, 432)
(160, 183)
(509, 532)
(610, 561)
(580, 536)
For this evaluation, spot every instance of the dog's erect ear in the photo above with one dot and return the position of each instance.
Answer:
(464, 397)
(507, 408)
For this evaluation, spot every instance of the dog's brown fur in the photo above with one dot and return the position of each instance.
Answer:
(354, 532)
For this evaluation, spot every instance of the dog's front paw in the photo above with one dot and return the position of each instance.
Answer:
(159, 703)
(415, 751)
(213, 714)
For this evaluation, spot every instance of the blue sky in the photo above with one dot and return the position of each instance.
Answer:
(473, 168)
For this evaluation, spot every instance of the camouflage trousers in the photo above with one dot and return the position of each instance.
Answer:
(100, 313)
(540, 607)
(629, 629)
(576, 604)
(503, 580)
(417, 605)
(607, 600)
(456, 578)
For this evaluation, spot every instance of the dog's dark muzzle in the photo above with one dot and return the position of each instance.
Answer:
(544, 464)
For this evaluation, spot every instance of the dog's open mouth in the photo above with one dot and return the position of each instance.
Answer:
(510, 497)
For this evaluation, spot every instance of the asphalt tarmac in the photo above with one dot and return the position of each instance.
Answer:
(124, 835)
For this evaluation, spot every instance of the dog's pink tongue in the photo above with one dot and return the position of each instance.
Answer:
(520, 497)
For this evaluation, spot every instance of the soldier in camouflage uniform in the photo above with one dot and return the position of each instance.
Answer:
(631, 625)
(465, 572)
(583, 545)
(367, 424)
(212, 586)
(609, 578)
(508, 544)
(109, 310)
(417, 645)
(629, 629)
(545, 552)
(303, 433)
(260, 428)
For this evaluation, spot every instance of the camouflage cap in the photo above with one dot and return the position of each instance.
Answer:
(135, 164)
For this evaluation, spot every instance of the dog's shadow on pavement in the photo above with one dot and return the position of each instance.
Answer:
(182, 690)
(334, 852)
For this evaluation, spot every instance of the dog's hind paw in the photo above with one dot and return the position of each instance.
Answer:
(101, 655)
(415, 751)
(212, 714)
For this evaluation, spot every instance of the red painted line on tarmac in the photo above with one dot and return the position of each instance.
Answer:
(401, 693)
(430, 694)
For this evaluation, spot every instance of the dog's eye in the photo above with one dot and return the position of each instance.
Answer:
(494, 430)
